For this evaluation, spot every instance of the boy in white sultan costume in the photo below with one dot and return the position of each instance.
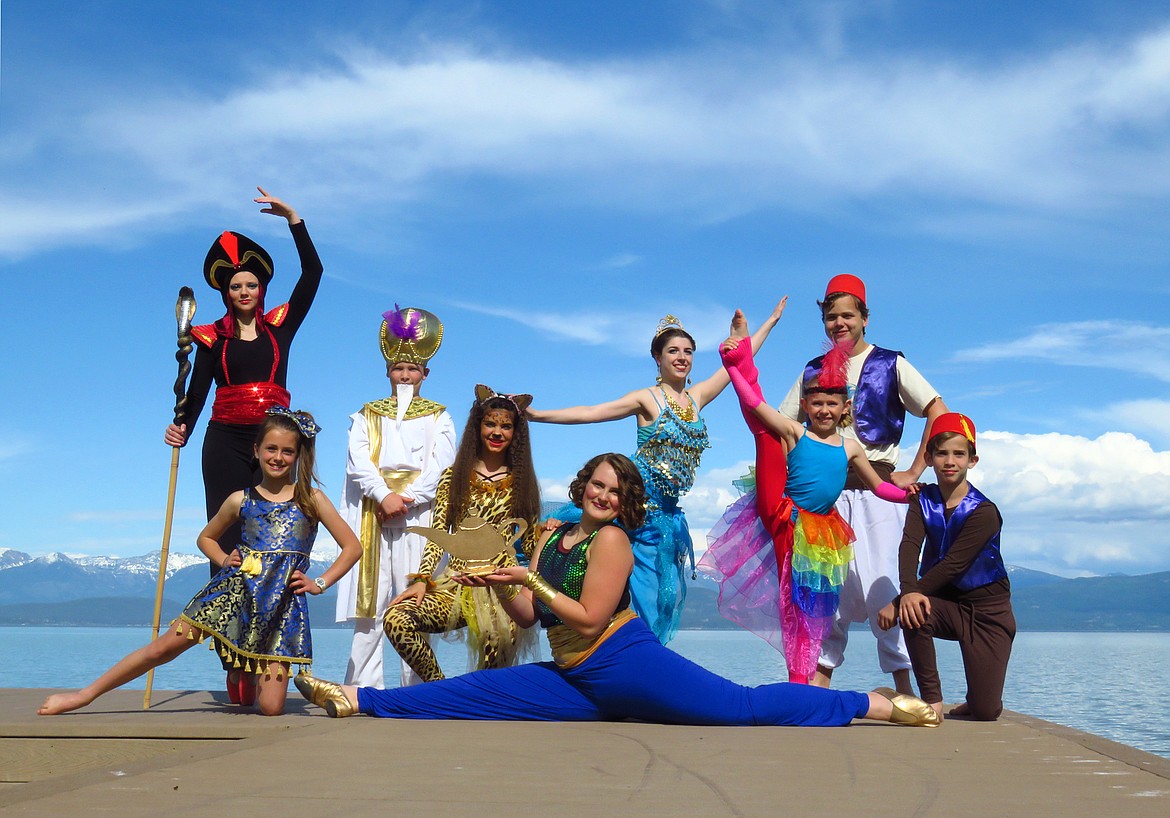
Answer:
(398, 448)
(883, 387)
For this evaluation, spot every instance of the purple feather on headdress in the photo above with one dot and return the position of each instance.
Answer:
(401, 326)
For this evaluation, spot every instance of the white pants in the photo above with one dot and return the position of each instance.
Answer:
(872, 581)
(401, 555)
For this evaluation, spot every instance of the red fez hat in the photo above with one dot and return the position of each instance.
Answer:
(953, 422)
(845, 283)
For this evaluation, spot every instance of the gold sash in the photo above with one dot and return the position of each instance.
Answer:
(396, 480)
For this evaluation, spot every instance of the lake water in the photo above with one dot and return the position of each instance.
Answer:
(1111, 684)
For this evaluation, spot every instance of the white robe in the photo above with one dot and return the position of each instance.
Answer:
(428, 445)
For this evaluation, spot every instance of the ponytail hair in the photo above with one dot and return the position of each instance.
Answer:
(305, 428)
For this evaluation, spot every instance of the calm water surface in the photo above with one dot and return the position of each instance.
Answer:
(1111, 684)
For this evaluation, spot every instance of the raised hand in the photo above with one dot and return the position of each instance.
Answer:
(275, 206)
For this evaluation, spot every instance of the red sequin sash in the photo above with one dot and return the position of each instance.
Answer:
(245, 404)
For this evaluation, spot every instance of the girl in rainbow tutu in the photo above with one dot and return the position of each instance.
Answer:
(781, 551)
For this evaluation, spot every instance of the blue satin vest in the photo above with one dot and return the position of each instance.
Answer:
(878, 413)
(986, 568)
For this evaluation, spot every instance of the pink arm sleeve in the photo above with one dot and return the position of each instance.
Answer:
(891, 493)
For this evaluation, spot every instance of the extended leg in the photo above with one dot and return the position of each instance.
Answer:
(632, 676)
(162, 650)
(535, 692)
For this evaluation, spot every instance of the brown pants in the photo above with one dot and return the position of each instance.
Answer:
(984, 629)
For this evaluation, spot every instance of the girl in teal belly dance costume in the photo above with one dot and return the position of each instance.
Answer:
(671, 439)
(254, 608)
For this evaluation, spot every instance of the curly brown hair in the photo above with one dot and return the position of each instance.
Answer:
(631, 490)
(525, 488)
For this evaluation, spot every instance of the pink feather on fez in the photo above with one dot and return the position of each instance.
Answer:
(401, 326)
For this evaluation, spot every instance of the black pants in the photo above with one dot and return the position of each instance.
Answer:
(984, 629)
(229, 465)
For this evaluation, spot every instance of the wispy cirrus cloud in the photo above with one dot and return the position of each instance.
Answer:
(627, 332)
(1127, 346)
(711, 132)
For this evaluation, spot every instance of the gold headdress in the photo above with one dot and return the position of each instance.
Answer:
(668, 322)
(410, 334)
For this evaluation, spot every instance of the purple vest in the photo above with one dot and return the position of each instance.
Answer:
(987, 567)
(878, 413)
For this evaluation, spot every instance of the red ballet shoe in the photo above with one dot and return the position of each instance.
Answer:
(247, 689)
(233, 686)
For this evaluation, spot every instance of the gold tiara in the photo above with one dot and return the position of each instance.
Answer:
(668, 322)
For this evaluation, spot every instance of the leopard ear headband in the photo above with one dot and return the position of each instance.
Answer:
(486, 393)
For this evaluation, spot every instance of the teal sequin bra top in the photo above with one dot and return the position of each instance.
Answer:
(669, 450)
(565, 571)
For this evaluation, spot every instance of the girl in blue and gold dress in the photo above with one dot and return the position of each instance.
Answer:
(671, 439)
(254, 608)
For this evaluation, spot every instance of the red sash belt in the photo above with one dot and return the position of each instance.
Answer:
(245, 404)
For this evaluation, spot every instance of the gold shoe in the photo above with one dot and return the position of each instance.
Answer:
(326, 695)
(909, 710)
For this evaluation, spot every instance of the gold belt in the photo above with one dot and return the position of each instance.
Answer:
(398, 479)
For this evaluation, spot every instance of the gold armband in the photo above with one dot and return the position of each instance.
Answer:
(540, 589)
(507, 593)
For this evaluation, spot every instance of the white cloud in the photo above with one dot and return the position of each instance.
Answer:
(619, 261)
(624, 331)
(1068, 501)
(1128, 346)
(707, 132)
(1146, 418)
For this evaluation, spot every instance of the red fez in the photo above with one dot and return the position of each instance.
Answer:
(845, 283)
(953, 422)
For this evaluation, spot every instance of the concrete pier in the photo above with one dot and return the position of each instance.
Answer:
(193, 755)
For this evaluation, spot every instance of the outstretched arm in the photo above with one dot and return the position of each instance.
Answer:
(637, 403)
(706, 391)
(887, 491)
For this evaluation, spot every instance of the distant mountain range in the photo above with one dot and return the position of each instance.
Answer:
(104, 591)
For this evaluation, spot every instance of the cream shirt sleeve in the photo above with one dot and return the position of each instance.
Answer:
(790, 407)
(913, 390)
(358, 467)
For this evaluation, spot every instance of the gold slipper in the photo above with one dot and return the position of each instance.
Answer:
(909, 710)
(326, 695)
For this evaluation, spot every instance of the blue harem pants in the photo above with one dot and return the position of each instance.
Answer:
(630, 676)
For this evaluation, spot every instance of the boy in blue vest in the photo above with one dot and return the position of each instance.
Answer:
(883, 387)
(961, 591)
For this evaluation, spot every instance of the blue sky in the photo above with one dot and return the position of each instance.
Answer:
(550, 179)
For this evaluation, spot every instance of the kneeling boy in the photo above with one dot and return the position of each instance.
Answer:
(961, 591)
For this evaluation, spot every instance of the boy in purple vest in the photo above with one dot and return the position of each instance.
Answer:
(883, 387)
(961, 591)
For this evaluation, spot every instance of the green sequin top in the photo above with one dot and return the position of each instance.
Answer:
(565, 571)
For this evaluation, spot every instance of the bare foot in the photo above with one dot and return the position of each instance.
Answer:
(958, 710)
(62, 703)
(739, 327)
(938, 708)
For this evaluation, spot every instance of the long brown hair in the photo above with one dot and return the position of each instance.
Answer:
(518, 456)
(306, 460)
